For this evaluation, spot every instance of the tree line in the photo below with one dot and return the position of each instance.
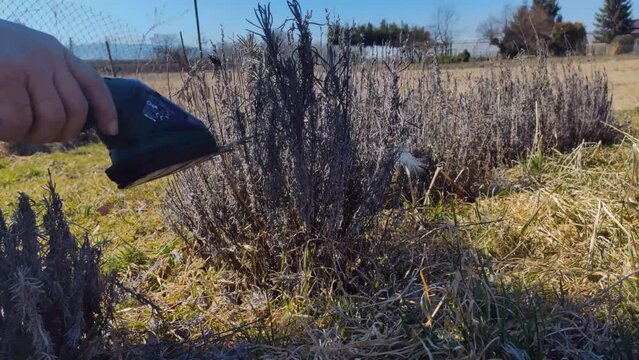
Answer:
(540, 28)
(385, 33)
(530, 29)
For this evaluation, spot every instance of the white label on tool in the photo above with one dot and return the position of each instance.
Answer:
(156, 110)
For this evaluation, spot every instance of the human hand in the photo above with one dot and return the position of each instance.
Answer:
(45, 91)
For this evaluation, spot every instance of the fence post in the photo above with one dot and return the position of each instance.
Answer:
(197, 23)
(108, 47)
(168, 76)
(186, 58)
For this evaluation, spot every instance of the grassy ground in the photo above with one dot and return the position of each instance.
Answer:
(565, 224)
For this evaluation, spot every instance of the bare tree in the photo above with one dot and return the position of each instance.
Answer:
(164, 44)
(443, 29)
(492, 29)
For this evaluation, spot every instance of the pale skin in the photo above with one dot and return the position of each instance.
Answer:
(45, 91)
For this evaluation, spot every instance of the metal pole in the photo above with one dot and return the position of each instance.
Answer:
(197, 22)
(186, 58)
(108, 47)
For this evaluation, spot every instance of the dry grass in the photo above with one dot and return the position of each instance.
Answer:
(409, 278)
(546, 268)
(541, 269)
(622, 72)
(567, 294)
(571, 224)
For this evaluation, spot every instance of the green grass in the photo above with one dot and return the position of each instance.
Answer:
(130, 220)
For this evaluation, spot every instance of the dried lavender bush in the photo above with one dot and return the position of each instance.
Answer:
(314, 189)
(510, 113)
(314, 175)
(51, 291)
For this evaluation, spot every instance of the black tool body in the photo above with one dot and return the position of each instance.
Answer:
(156, 137)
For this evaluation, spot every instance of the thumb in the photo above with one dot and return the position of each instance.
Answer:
(97, 94)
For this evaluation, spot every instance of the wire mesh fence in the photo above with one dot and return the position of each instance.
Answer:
(477, 48)
(107, 43)
(82, 29)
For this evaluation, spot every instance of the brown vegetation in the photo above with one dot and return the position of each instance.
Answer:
(342, 226)
(53, 300)
(327, 201)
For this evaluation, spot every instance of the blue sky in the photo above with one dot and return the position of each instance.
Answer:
(232, 14)
(55, 17)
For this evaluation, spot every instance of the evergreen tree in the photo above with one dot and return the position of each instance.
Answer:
(551, 7)
(385, 34)
(613, 19)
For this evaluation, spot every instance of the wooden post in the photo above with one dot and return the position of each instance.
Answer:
(108, 47)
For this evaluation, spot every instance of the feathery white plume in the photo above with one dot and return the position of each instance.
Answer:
(411, 164)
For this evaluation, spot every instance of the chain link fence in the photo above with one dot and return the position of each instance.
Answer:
(91, 35)
(477, 48)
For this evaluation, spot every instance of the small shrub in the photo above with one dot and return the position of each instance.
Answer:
(493, 120)
(462, 57)
(622, 44)
(51, 289)
(314, 176)
(22, 149)
(316, 188)
(568, 37)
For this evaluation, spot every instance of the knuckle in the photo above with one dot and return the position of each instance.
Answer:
(50, 38)
(38, 54)
(79, 108)
(52, 121)
(15, 128)
(39, 71)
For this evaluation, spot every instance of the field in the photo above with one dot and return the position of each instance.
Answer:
(622, 75)
(622, 71)
(546, 263)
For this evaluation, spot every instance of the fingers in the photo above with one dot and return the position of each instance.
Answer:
(74, 102)
(15, 113)
(45, 91)
(97, 94)
(49, 115)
